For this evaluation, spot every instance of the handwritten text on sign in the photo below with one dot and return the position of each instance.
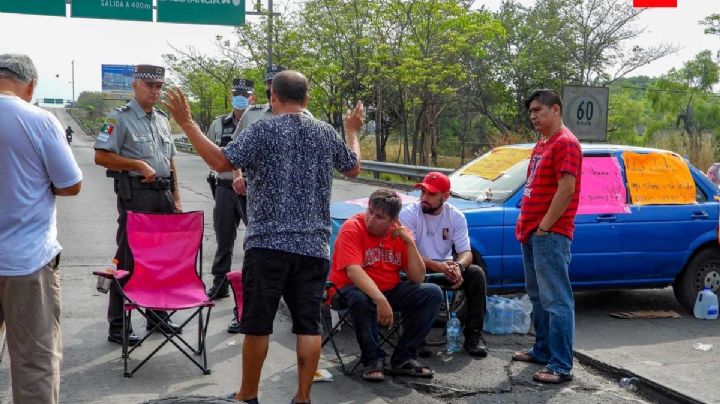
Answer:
(602, 189)
(497, 162)
(658, 178)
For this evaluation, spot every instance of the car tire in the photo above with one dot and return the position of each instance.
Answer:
(702, 270)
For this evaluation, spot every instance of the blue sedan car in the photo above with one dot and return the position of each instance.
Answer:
(647, 219)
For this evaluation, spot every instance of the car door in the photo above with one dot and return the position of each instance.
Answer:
(656, 240)
(595, 240)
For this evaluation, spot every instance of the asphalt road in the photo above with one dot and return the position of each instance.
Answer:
(660, 352)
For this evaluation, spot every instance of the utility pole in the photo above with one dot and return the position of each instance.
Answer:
(271, 14)
(270, 33)
(73, 81)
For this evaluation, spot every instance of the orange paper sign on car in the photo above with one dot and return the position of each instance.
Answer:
(658, 179)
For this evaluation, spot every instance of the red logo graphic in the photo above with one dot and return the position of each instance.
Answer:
(654, 3)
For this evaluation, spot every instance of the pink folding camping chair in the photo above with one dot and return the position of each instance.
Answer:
(167, 249)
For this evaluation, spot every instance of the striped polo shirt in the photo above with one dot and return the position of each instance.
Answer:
(550, 158)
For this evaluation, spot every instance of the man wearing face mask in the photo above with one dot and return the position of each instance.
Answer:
(229, 204)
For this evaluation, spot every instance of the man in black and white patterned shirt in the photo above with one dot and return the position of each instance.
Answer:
(289, 161)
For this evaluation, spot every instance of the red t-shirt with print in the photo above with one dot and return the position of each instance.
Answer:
(550, 159)
(381, 257)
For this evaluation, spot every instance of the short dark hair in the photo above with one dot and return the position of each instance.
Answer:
(290, 86)
(387, 201)
(545, 96)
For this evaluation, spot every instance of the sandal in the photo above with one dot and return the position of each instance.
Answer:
(551, 376)
(377, 366)
(524, 356)
(412, 368)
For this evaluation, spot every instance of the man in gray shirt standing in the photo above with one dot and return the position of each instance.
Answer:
(289, 161)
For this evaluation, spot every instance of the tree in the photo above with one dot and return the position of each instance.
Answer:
(684, 96)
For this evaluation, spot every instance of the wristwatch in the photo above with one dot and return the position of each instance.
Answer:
(461, 266)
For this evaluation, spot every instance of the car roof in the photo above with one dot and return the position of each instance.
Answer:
(598, 147)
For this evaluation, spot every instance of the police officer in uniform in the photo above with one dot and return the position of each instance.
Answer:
(262, 111)
(229, 205)
(137, 149)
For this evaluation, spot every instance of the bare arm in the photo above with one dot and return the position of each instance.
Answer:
(117, 162)
(362, 281)
(352, 123)
(416, 266)
(560, 201)
(68, 191)
(176, 103)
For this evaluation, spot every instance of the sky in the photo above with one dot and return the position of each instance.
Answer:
(55, 42)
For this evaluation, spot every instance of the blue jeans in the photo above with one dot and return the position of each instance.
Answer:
(546, 260)
(418, 303)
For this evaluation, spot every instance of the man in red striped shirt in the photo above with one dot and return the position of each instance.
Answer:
(545, 230)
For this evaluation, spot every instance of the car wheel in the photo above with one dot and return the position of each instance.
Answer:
(702, 270)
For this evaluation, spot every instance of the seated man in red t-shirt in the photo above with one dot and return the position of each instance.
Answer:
(370, 251)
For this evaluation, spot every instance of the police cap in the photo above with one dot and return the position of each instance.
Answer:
(272, 70)
(150, 73)
(242, 86)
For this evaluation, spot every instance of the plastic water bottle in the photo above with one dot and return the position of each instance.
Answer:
(453, 334)
(103, 283)
(706, 305)
(629, 383)
(506, 317)
(492, 315)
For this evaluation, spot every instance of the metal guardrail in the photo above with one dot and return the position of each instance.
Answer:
(400, 169)
(377, 167)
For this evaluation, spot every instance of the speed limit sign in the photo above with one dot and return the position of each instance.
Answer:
(585, 112)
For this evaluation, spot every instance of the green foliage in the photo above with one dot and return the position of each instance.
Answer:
(444, 77)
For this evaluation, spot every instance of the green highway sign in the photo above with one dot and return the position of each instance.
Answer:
(211, 12)
(41, 7)
(134, 10)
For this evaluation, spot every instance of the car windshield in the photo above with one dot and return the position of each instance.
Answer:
(493, 177)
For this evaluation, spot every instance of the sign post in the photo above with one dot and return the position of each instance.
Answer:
(585, 112)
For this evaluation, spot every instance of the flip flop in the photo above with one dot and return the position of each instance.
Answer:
(412, 368)
(551, 376)
(372, 367)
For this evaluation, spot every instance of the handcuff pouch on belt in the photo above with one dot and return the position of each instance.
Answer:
(212, 180)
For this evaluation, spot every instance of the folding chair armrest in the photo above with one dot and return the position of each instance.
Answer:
(434, 277)
(104, 274)
(119, 274)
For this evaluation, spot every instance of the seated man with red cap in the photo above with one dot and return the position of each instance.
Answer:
(437, 227)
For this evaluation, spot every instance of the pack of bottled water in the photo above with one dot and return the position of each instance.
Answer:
(505, 315)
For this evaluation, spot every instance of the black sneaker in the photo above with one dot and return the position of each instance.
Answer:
(219, 290)
(475, 344)
(234, 326)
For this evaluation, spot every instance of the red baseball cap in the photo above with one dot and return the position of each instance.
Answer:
(435, 182)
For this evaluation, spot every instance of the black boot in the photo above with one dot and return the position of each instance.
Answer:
(219, 289)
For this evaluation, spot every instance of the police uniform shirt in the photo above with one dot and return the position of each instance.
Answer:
(253, 114)
(132, 133)
(221, 133)
(256, 113)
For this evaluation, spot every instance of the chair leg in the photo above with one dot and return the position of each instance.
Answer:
(125, 329)
(330, 337)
